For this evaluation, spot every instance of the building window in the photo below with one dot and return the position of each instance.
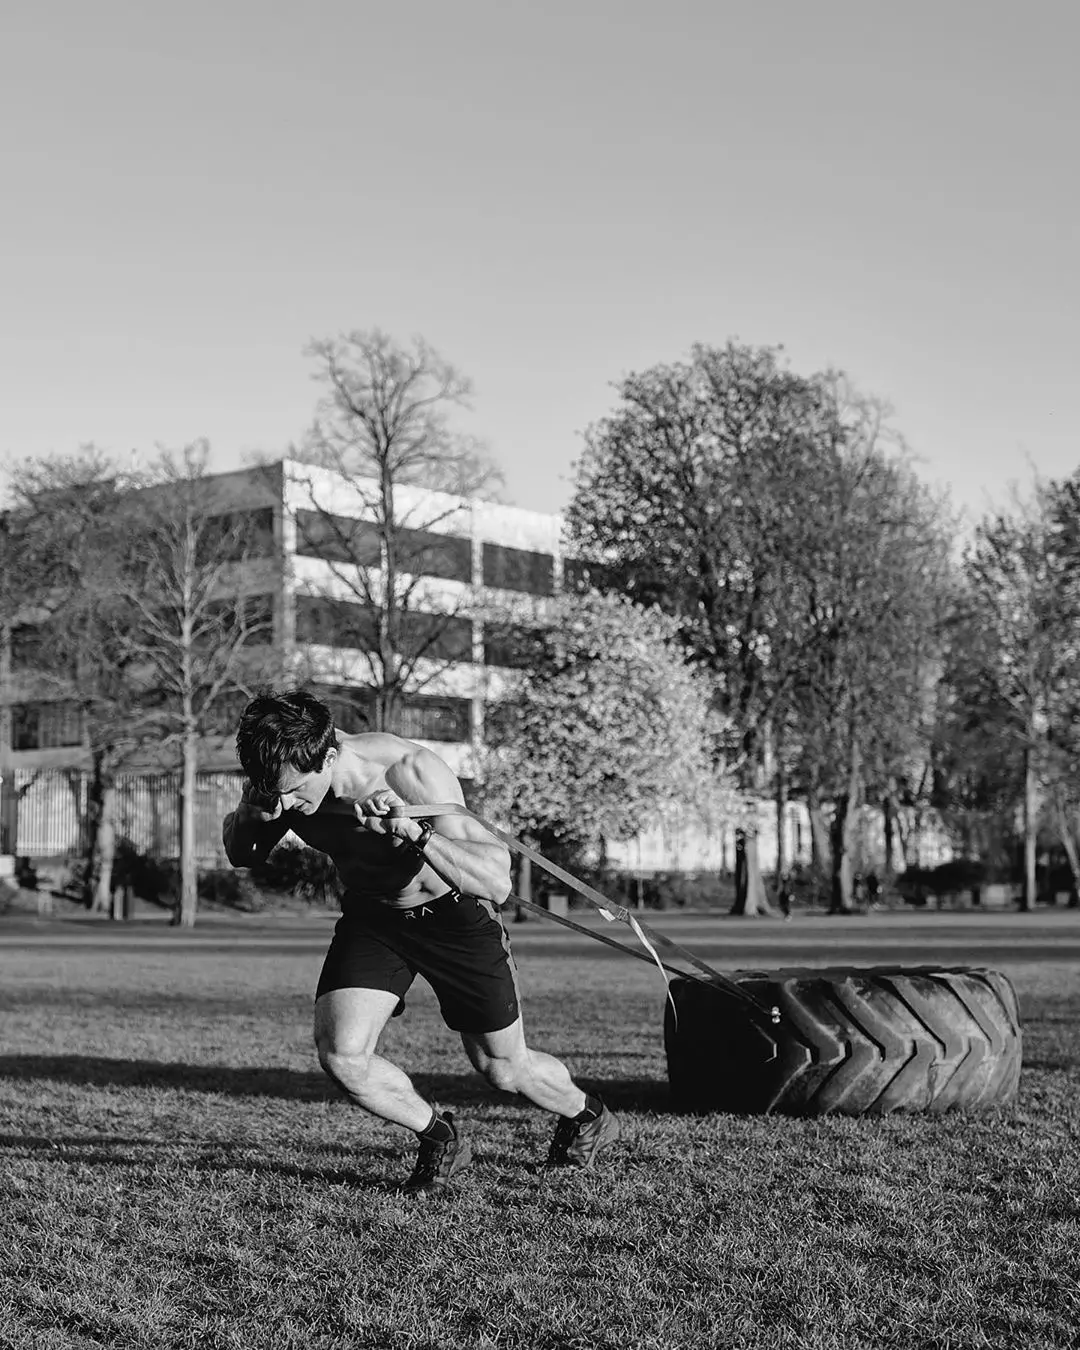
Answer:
(341, 539)
(336, 623)
(514, 646)
(517, 569)
(438, 637)
(426, 554)
(351, 708)
(429, 718)
(26, 647)
(422, 717)
(45, 726)
(344, 623)
(230, 536)
(345, 539)
(251, 614)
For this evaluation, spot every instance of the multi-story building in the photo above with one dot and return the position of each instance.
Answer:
(485, 575)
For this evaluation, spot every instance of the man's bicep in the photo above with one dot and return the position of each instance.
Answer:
(424, 779)
(467, 830)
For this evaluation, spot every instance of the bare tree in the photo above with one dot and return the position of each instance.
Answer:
(66, 535)
(383, 430)
(201, 635)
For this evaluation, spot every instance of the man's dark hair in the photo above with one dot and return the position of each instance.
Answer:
(276, 730)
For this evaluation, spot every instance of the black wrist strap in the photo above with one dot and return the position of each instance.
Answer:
(417, 846)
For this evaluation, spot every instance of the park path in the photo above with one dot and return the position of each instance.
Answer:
(940, 938)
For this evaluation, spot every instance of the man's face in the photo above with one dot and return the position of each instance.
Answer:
(304, 792)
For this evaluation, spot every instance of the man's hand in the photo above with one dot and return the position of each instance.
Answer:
(258, 807)
(251, 831)
(374, 814)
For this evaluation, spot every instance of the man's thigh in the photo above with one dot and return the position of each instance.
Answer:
(350, 1021)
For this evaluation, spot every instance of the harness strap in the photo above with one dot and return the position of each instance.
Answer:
(648, 937)
(534, 908)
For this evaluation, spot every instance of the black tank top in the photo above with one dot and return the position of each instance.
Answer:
(370, 865)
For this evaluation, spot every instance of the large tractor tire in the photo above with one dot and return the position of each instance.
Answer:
(849, 1041)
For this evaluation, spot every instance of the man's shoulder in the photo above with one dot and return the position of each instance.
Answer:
(401, 759)
(377, 744)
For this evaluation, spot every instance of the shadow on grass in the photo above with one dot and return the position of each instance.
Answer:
(377, 1169)
(217, 1157)
(452, 1090)
(98, 1071)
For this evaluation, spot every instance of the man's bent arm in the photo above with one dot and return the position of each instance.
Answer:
(461, 851)
(249, 833)
(475, 864)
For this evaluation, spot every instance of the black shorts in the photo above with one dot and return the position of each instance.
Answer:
(458, 944)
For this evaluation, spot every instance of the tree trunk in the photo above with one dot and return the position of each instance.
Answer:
(1070, 842)
(100, 836)
(781, 842)
(820, 849)
(842, 878)
(888, 811)
(750, 897)
(105, 853)
(524, 886)
(843, 827)
(903, 837)
(189, 877)
(94, 790)
(1031, 814)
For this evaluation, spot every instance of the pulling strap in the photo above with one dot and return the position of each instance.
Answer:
(609, 910)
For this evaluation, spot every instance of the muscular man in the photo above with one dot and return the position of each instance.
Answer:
(421, 898)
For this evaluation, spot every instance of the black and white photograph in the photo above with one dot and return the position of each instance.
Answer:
(539, 675)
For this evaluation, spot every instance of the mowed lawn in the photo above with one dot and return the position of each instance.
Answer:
(174, 1170)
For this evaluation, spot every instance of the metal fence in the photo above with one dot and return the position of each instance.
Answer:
(51, 812)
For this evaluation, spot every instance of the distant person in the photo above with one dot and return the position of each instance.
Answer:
(783, 895)
(401, 919)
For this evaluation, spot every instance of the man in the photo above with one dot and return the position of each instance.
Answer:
(421, 897)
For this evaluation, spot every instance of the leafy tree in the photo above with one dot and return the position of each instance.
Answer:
(605, 735)
(1061, 767)
(875, 583)
(383, 430)
(769, 514)
(1009, 740)
(690, 496)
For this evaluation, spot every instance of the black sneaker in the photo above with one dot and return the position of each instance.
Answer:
(437, 1161)
(576, 1143)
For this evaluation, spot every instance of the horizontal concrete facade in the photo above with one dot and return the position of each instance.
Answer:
(289, 577)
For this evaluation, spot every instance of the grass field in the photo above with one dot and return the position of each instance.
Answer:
(175, 1172)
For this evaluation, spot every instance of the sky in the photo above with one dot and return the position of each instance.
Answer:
(553, 195)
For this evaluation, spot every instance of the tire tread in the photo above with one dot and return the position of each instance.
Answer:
(851, 1041)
